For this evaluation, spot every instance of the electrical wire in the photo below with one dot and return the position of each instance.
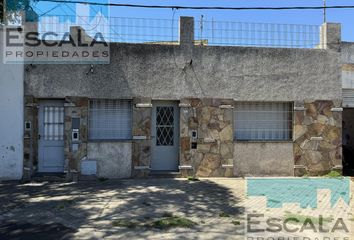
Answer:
(204, 8)
(45, 13)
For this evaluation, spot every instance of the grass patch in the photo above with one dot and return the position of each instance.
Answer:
(124, 223)
(223, 214)
(333, 174)
(303, 218)
(236, 222)
(193, 179)
(173, 222)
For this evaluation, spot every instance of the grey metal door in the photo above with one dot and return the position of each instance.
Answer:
(51, 136)
(165, 136)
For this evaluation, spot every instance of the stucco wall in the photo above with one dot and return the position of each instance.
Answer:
(263, 159)
(347, 52)
(113, 158)
(174, 72)
(11, 120)
(348, 64)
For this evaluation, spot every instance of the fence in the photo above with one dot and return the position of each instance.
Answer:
(165, 31)
(115, 29)
(258, 34)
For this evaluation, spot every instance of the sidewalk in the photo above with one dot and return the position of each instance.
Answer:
(115, 209)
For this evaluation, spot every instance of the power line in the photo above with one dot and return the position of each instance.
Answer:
(204, 8)
(45, 13)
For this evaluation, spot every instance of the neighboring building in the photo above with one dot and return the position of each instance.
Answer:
(11, 121)
(212, 111)
(348, 105)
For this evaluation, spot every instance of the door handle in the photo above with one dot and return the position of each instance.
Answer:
(39, 136)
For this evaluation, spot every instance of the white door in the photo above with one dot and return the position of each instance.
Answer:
(51, 136)
(165, 136)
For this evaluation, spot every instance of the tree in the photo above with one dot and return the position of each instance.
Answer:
(10, 10)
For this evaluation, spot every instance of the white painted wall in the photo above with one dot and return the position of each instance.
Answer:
(11, 118)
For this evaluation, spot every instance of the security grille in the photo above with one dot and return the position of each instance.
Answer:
(110, 119)
(262, 121)
(54, 123)
(164, 126)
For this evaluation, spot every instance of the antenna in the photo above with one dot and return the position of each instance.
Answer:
(201, 29)
(324, 12)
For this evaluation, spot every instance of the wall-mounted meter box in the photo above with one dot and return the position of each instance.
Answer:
(28, 126)
(194, 135)
(75, 135)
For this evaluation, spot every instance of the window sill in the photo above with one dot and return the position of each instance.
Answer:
(263, 141)
(109, 140)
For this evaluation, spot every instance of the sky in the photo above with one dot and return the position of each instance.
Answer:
(311, 17)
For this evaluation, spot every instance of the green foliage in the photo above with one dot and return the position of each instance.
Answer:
(333, 174)
(223, 214)
(174, 221)
(236, 222)
(125, 223)
(191, 178)
(10, 10)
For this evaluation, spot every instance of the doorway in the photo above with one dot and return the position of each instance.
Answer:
(348, 141)
(165, 136)
(51, 136)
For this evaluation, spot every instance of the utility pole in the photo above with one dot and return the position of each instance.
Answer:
(324, 11)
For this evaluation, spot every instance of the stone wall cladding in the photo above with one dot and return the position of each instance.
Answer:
(215, 137)
(75, 107)
(141, 149)
(30, 157)
(317, 138)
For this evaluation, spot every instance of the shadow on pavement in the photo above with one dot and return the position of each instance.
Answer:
(11, 230)
(27, 208)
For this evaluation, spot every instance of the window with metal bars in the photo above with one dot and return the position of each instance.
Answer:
(54, 123)
(263, 121)
(110, 119)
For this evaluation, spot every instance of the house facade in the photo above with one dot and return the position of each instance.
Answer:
(209, 111)
(347, 52)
